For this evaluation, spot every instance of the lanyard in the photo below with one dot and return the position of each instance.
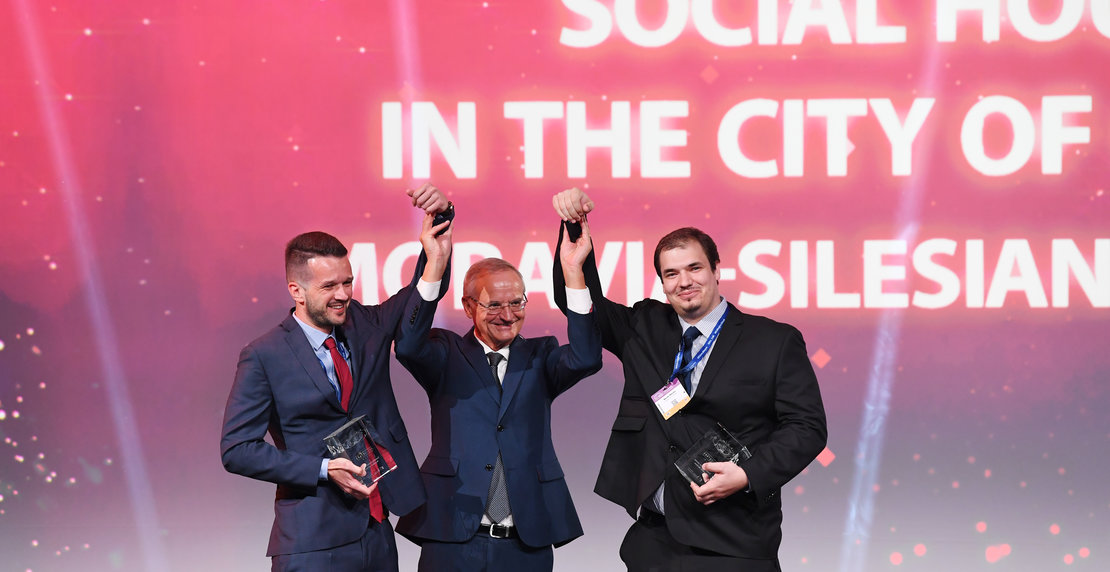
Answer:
(701, 353)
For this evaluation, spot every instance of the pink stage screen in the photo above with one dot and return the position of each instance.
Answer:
(919, 187)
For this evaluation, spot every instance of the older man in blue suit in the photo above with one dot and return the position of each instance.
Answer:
(497, 499)
(327, 363)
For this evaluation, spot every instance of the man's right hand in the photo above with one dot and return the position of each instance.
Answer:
(428, 198)
(436, 240)
(344, 473)
(572, 204)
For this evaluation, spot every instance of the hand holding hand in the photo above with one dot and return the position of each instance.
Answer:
(572, 254)
(437, 246)
(428, 198)
(572, 205)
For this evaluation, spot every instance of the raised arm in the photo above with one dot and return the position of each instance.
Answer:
(582, 356)
(613, 319)
(573, 254)
(430, 265)
(422, 354)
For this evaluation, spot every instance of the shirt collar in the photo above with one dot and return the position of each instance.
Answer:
(486, 349)
(709, 321)
(315, 337)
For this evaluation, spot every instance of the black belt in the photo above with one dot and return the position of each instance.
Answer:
(651, 518)
(497, 530)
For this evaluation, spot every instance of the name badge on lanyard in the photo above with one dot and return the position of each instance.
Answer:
(672, 397)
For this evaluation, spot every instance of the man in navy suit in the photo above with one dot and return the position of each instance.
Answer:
(746, 373)
(497, 499)
(327, 363)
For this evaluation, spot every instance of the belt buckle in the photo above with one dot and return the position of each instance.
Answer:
(493, 531)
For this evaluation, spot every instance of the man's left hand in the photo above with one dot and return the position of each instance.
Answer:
(572, 254)
(436, 241)
(728, 478)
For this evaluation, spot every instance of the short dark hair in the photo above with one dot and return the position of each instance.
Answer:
(307, 246)
(683, 236)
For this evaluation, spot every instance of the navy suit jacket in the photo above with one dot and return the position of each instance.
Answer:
(281, 388)
(758, 383)
(472, 420)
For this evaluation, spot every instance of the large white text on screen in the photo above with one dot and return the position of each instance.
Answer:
(929, 274)
(428, 130)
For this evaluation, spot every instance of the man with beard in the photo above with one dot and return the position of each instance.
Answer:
(325, 364)
(692, 365)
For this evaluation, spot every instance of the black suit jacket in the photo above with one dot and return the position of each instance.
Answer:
(758, 383)
(281, 388)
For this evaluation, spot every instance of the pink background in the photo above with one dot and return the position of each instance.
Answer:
(155, 157)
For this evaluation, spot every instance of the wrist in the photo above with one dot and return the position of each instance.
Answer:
(433, 272)
(576, 282)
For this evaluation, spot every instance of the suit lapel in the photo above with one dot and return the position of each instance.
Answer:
(520, 355)
(303, 352)
(722, 349)
(663, 349)
(476, 356)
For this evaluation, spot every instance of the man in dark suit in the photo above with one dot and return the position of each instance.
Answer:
(747, 373)
(497, 499)
(327, 363)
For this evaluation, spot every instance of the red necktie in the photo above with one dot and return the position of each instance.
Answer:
(346, 384)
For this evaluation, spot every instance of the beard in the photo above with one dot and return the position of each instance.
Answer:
(322, 316)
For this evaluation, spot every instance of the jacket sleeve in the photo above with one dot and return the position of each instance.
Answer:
(581, 358)
(614, 321)
(247, 416)
(419, 348)
(389, 313)
(800, 433)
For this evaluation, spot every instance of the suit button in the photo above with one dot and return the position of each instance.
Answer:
(500, 427)
(673, 447)
(489, 467)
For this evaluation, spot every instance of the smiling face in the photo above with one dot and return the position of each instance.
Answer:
(689, 281)
(496, 330)
(323, 292)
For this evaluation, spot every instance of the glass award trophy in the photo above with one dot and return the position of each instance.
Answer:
(355, 441)
(717, 445)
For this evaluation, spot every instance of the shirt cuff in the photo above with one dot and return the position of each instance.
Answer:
(429, 291)
(579, 301)
(324, 470)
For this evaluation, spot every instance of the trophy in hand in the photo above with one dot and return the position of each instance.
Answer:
(717, 445)
(355, 441)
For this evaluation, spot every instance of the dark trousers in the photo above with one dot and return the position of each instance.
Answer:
(484, 554)
(376, 551)
(649, 547)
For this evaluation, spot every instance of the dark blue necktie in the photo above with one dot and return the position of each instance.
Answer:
(688, 338)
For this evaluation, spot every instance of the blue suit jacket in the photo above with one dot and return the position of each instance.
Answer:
(472, 420)
(281, 388)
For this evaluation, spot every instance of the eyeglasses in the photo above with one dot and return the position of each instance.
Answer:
(495, 308)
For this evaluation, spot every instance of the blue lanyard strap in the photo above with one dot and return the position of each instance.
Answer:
(701, 353)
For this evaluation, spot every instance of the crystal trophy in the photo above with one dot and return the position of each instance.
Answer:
(355, 441)
(717, 445)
